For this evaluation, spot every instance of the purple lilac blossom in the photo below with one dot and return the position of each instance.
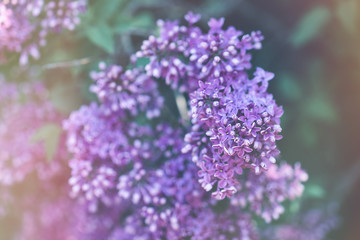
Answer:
(183, 55)
(166, 198)
(233, 130)
(127, 156)
(25, 25)
(105, 149)
(130, 90)
(236, 122)
(264, 194)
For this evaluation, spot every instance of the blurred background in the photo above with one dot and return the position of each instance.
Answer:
(311, 46)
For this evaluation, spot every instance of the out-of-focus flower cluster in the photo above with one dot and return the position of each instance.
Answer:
(265, 193)
(25, 24)
(144, 173)
(311, 225)
(27, 122)
(20, 153)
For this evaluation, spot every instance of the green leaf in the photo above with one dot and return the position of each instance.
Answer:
(126, 24)
(310, 26)
(142, 62)
(102, 36)
(308, 134)
(143, 20)
(289, 87)
(49, 134)
(314, 191)
(295, 206)
(122, 28)
(320, 108)
(103, 11)
(67, 96)
(347, 12)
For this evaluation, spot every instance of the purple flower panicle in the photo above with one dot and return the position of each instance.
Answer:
(152, 168)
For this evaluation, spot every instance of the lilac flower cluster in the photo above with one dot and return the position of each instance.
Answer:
(234, 129)
(130, 90)
(138, 170)
(104, 147)
(265, 193)
(236, 122)
(183, 55)
(25, 25)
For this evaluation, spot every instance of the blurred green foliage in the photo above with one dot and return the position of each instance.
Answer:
(348, 11)
(102, 22)
(310, 26)
(102, 36)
